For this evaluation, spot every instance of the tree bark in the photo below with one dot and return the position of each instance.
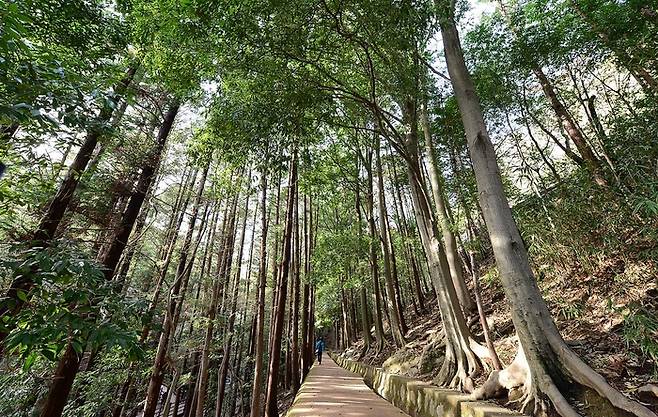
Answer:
(45, 232)
(204, 360)
(374, 266)
(305, 363)
(414, 273)
(395, 310)
(274, 258)
(222, 373)
(271, 406)
(69, 363)
(294, 319)
(363, 295)
(567, 122)
(641, 75)
(157, 374)
(58, 394)
(256, 401)
(549, 361)
(171, 234)
(449, 241)
(460, 364)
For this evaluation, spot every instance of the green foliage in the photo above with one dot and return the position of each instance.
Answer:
(60, 58)
(569, 310)
(320, 79)
(640, 329)
(21, 390)
(71, 302)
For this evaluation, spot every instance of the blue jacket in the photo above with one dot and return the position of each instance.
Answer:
(319, 345)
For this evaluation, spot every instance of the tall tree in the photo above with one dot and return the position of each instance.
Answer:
(69, 363)
(542, 347)
(395, 309)
(174, 303)
(14, 299)
(259, 353)
(449, 241)
(271, 401)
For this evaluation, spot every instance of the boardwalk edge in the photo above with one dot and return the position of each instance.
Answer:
(418, 398)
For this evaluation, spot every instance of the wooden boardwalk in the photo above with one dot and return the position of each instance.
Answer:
(331, 391)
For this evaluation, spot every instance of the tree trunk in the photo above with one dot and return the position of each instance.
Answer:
(399, 296)
(641, 75)
(69, 363)
(363, 296)
(222, 373)
(256, 400)
(171, 234)
(271, 406)
(312, 228)
(567, 122)
(204, 361)
(168, 253)
(157, 374)
(353, 320)
(478, 300)
(58, 393)
(414, 273)
(115, 250)
(395, 310)
(274, 259)
(311, 329)
(374, 266)
(306, 302)
(460, 364)
(548, 361)
(172, 387)
(55, 212)
(12, 303)
(294, 319)
(449, 241)
(243, 350)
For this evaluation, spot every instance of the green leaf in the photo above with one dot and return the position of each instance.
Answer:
(29, 360)
(77, 346)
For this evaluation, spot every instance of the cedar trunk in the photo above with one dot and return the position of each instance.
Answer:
(271, 406)
(449, 241)
(394, 308)
(68, 366)
(12, 303)
(256, 393)
(550, 362)
(157, 374)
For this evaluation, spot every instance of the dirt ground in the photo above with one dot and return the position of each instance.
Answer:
(590, 311)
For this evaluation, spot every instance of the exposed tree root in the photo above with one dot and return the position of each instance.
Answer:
(482, 353)
(500, 382)
(363, 352)
(585, 375)
(539, 394)
(458, 371)
(430, 353)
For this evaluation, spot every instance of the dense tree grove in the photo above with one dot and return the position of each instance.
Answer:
(193, 191)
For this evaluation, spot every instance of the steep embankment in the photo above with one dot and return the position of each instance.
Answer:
(609, 318)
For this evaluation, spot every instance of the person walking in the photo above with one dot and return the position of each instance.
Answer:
(319, 348)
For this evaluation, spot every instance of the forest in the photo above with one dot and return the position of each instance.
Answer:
(193, 192)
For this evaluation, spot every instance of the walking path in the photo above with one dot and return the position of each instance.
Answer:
(331, 391)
